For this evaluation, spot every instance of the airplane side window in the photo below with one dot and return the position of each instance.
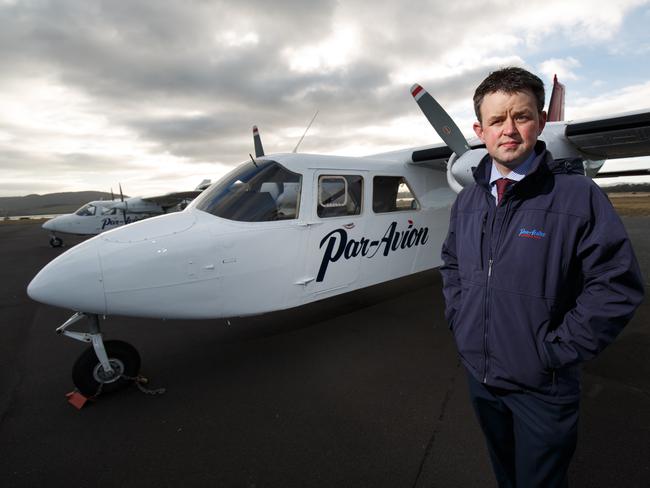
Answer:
(332, 191)
(339, 196)
(392, 194)
(259, 191)
(86, 211)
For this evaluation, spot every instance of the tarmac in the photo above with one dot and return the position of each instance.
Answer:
(363, 390)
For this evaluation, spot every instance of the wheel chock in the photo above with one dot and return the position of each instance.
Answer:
(76, 399)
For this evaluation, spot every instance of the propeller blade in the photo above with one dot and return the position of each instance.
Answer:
(259, 150)
(112, 196)
(440, 120)
(124, 208)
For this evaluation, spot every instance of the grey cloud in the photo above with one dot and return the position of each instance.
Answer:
(137, 60)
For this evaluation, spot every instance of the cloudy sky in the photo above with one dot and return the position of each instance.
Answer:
(157, 95)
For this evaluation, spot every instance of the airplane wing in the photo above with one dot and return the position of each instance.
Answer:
(620, 136)
(437, 155)
(174, 198)
(624, 172)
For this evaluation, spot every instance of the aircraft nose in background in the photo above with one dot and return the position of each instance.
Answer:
(48, 225)
(73, 280)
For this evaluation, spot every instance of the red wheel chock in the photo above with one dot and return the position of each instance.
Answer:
(76, 399)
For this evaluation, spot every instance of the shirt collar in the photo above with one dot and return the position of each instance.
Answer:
(516, 174)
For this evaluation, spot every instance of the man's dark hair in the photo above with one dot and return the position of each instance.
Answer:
(509, 80)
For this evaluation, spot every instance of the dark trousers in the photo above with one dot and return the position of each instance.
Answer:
(531, 441)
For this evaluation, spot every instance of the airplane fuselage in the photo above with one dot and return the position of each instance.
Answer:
(216, 259)
(94, 218)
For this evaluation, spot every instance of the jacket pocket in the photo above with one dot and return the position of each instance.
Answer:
(516, 331)
(470, 238)
(467, 326)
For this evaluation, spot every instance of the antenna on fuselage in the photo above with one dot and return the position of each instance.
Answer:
(254, 162)
(295, 149)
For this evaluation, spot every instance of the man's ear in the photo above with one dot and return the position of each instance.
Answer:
(542, 121)
(479, 130)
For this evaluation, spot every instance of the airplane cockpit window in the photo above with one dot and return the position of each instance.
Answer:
(392, 194)
(339, 195)
(86, 210)
(259, 191)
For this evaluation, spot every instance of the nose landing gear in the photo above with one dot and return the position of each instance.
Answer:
(105, 366)
(56, 241)
(88, 373)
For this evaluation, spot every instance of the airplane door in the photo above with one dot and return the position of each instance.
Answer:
(336, 231)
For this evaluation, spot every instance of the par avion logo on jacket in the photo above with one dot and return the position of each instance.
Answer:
(531, 234)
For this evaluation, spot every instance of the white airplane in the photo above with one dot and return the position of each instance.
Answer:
(284, 230)
(101, 215)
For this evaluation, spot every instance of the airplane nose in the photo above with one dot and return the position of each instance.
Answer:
(47, 225)
(73, 280)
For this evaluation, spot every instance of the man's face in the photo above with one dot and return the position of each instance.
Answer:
(510, 126)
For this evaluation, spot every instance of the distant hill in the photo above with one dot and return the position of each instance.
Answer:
(68, 202)
(628, 188)
(50, 203)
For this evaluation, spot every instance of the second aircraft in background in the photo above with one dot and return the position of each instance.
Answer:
(101, 215)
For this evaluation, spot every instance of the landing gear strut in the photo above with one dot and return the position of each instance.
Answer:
(55, 241)
(105, 366)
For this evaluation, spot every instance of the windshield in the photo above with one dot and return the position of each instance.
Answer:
(88, 209)
(258, 191)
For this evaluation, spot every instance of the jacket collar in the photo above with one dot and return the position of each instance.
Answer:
(538, 169)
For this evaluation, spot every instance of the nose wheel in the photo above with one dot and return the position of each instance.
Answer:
(106, 365)
(88, 373)
(56, 241)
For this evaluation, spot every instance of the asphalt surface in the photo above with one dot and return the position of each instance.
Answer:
(360, 391)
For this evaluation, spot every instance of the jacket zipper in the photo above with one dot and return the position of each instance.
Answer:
(486, 306)
(487, 320)
(487, 286)
(482, 239)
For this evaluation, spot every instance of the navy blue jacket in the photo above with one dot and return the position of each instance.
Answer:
(539, 283)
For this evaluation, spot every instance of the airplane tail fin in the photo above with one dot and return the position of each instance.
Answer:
(556, 103)
(203, 185)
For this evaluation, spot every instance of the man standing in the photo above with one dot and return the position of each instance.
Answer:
(539, 276)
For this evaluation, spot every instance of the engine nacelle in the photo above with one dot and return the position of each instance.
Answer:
(459, 169)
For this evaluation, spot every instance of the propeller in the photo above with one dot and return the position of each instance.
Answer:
(259, 150)
(440, 120)
(464, 159)
(125, 204)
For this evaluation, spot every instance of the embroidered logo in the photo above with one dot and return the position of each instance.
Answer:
(531, 234)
